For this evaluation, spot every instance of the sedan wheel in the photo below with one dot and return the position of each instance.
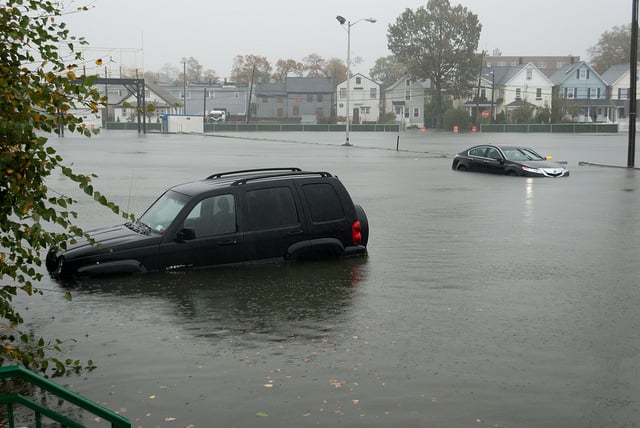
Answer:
(461, 167)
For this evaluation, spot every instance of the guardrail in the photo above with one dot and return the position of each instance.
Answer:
(18, 372)
(567, 128)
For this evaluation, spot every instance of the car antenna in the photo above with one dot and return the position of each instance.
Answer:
(130, 189)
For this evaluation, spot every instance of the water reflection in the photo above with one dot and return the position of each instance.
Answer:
(274, 302)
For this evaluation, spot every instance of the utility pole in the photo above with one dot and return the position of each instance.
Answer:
(633, 68)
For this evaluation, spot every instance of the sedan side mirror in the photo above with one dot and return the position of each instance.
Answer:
(186, 234)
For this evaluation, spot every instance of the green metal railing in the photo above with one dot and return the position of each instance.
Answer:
(18, 372)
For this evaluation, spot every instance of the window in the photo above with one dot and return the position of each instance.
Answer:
(538, 93)
(319, 112)
(343, 92)
(598, 93)
(483, 93)
(416, 112)
(280, 112)
(529, 73)
(407, 95)
(269, 208)
(236, 95)
(542, 64)
(623, 93)
(265, 100)
(407, 82)
(296, 110)
(518, 93)
(309, 98)
(365, 110)
(279, 100)
(588, 93)
(570, 93)
(298, 98)
(358, 80)
(147, 93)
(559, 64)
(211, 94)
(319, 98)
(213, 216)
(373, 93)
(323, 201)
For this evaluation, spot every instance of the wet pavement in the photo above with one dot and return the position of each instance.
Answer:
(484, 301)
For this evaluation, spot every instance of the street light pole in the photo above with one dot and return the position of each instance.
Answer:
(342, 22)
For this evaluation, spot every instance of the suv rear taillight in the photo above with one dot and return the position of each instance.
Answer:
(356, 235)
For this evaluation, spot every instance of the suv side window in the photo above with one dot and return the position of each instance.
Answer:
(324, 203)
(269, 208)
(213, 216)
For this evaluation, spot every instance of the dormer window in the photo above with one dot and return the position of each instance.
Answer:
(358, 80)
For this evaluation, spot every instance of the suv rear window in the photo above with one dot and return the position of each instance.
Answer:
(268, 208)
(324, 203)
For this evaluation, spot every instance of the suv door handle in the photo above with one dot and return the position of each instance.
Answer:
(295, 232)
(229, 242)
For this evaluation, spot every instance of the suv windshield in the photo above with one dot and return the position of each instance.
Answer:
(161, 214)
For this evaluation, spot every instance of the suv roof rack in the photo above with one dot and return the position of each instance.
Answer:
(246, 171)
(282, 174)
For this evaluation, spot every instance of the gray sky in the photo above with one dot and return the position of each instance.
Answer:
(150, 33)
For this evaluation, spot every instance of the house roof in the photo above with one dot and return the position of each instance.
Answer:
(615, 73)
(359, 75)
(163, 94)
(424, 83)
(564, 73)
(309, 85)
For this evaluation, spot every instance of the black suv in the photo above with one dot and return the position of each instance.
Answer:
(229, 217)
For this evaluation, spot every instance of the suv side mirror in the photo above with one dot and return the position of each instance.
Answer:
(186, 234)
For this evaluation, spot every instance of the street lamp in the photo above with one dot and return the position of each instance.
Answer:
(349, 24)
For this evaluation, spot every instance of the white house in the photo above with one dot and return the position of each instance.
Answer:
(406, 99)
(509, 88)
(618, 79)
(364, 99)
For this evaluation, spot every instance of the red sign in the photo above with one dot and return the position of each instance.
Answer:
(485, 114)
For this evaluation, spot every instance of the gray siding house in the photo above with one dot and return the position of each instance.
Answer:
(581, 84)
(298, 99)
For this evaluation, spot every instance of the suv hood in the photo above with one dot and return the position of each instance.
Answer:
(109, 239)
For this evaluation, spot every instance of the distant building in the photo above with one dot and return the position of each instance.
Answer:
(298, 99)
(201, 98)
(505, 89)
(364, 99)
(583, 85)
(406, 98)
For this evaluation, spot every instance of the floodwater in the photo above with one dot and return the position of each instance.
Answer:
(484, 300)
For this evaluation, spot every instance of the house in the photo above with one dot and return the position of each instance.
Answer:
(509, 88)
(364, 99)
(122, 103)
(297, 99)
(618, 79)
(582, 84)
(406, 98)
